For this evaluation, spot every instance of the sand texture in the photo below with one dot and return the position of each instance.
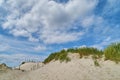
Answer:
(76, 69)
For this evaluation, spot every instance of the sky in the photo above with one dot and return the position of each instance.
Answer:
(32, 29)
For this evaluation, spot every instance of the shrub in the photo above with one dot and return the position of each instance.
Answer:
(23, 62)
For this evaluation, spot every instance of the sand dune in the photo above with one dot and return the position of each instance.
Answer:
(29, 66)
(76, 69)
(83, 69)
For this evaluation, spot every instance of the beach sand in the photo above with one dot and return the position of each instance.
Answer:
(76, 69)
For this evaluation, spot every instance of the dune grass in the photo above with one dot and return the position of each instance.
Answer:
(96, 63)
(86, 51)
(62, 55)
(112, 52)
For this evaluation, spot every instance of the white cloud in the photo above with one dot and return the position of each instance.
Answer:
(10, 45)
(92, 20)
(50, 20)
(107, 39)
(1, 1)
(4, 47)
(111, 7)
(87, 22)
(40, 48)
(22, 32)
(60, 37)
(81, 46)
(32, 39)
(105, 42)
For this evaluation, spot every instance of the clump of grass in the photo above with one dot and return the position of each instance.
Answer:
(68, 59)
(90, 51)
(96, 63)
(4, 67)
(112, 52)
(62, 56)
(86, 51)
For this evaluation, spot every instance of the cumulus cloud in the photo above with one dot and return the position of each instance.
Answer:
(49, 20)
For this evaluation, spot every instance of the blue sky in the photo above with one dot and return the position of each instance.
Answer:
(32, 29)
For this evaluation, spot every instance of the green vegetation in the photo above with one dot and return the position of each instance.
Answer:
(23, 63)
(85, 51)
(4, 67)
(62, 55)
(112, 52)
(96, 63)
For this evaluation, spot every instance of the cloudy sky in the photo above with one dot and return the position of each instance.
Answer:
(32, 29)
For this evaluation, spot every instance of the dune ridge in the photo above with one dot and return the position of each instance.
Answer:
(76, 69)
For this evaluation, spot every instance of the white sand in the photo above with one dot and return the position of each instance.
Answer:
(76, 69)
(31, 66)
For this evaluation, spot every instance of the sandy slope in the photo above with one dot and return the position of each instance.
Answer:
(31, 66)
(83, 69)
(76, 69)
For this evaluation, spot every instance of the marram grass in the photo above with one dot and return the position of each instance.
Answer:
(62, 55)
(112, 52)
